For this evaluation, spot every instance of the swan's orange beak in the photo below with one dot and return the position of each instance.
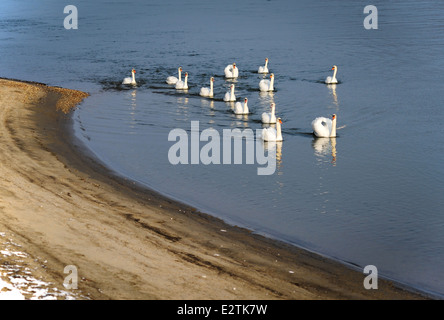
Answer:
(280, 121)
(333, 68)
(333, 116)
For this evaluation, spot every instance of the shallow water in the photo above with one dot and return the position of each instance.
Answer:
(373, 195)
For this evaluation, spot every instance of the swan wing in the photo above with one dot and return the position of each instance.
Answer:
(264, 85)
(262, 69)
(238, 109)
(331, 80)
(269, 134)
(180, 84)
(228, 97)
(228, 71)
(171, 80)
(321, 127)
(266, 116)
(204, 92)
(127, 81)
(264, 135)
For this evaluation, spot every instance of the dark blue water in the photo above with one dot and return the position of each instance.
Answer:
(373, 195)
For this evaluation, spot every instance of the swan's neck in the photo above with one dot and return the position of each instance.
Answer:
(272, 110)
(272, 83)
(334, 73)
(266, 63)
(134, 77)
(333, 128)
(211, 87)
(278, 131)
(186, 80)
(180, 75)
(245, 107)
(232, 92)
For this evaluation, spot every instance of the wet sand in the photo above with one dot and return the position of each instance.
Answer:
(62, 207)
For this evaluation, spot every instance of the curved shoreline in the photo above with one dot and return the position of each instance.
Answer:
(128, 242)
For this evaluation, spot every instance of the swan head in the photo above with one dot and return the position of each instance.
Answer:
(133, 71)
(279, 120)
(273, 105)
(180, 69)
(246, 100)
(234, 65)
(232, 86)
(334, 68)
(333, 117)
(266, 59)
(272, 75)
(186, 74)
(212, 79)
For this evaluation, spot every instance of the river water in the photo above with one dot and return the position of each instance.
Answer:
(373, 195)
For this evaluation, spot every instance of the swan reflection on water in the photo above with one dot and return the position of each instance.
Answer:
(132, 110)
(274, 147)
(182, 107)
(133, 98)
(241, 121)
(325, 146)
(207, 103)
(182, 100)
(332, 89)
(265, 98)
(243, 117)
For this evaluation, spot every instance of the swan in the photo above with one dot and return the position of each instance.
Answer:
(132, 79)
(172, 79)
(241, 109)
(324, 127)
(263, 69)
(231, 71)
(331, 80)
(229, 95)
(182, 85)
(269, 117)
(207, 92)
(272, 134)
(267, 85)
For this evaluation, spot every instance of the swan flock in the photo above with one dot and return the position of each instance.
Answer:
(321, 126)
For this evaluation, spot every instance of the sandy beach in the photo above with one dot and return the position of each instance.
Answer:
(61, 207)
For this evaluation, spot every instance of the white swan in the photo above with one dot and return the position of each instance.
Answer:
(267, 85)
(132, 79)
(269, 117)
(272, 134)
(172, 79)
(241, 109)
(324, 127)
(207, 92)
(182, 85)
(231, 71)
(331, 80)
(229, 95)
(263, 69)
